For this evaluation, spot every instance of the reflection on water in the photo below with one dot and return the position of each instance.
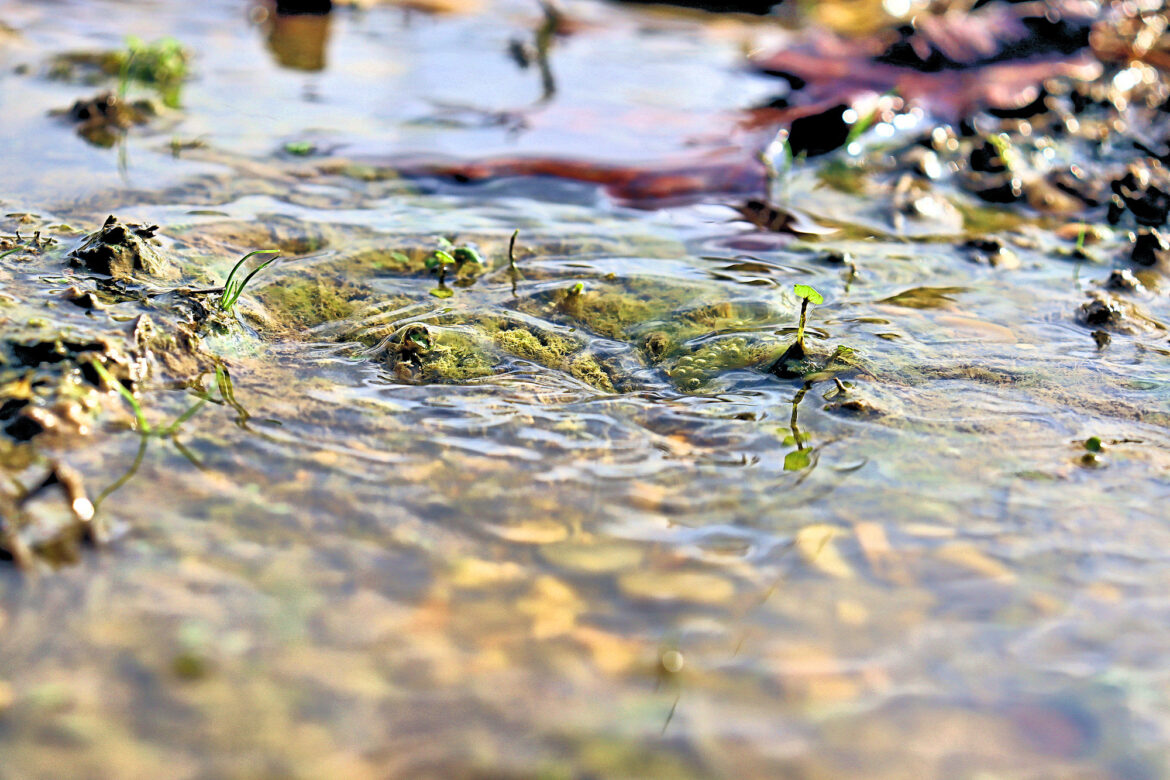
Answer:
(564, 522)
(297, 40)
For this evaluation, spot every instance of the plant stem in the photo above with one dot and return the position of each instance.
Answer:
(108, 378)
(514, 272)
(800, 330)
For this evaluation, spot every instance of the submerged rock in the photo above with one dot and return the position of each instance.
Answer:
(1108, 312)
(797, 363)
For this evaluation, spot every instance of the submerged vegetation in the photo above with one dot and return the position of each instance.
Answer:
(421, 475)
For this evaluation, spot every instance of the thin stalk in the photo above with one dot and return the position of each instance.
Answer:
(800, 329)
(108, 378)
(122, 480)
(182, 418)
(513, 270)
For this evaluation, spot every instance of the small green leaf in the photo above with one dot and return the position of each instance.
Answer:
(804, 291)
(439, 258)
(400, 258)
(466, 254)
(300, 148)
(1093, 444)
(798, 460)
(577, 288)
(442, 292)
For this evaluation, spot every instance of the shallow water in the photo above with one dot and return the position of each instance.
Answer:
(572, 564)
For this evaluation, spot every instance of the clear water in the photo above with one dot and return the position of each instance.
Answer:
(523, 573)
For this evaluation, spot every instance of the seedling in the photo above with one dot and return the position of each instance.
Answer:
(860, 124)
(465, 254)
(233, 287)
(1007, 153)
(450, 255)
(794, 362)
(441, 260)
(807, 295)
(13, 250)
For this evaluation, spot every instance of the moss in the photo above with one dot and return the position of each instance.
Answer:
(606, 313)
(550, 350)
(544, 348)
(452, 357)
(303, 303)
(586, 368)
(453, 365)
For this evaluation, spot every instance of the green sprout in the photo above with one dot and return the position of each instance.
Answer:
(162, 65)
(13, 250)
(300, 148)
(858, 128)
(466, 254)
(449, 255)
(440, 260)
(124, 74)
(233, 288)
(807, 295)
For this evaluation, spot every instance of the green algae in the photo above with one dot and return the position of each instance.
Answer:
(304, 302)
(693, 370)
(470, 349)
(539, 347)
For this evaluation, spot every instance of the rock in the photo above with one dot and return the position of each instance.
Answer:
(1144, 191)
(1122, 279)
(993, 252)
(1108, 312)
(122, 251)
(1149, 246)
(854, 407)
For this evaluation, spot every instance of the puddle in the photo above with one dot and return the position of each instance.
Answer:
(556, 512)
